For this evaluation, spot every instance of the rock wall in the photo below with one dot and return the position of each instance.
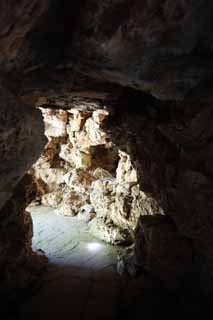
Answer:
(82, 173)
(20, 127)
(170, 147)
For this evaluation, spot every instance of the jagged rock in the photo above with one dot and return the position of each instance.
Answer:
(104, 156)
(79, 180)
(72, 159)
(52, 199)
(102, 197)
(125, 173)
(100, 173)
(99, 115)
(110, 233)
(55, 122)
(76, 120)
(66, 152)
(71, 203)
(81, 158)
(53, 177)
(95, 134)
(86, 213)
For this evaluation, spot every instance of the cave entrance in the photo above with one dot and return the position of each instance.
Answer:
(83, 215)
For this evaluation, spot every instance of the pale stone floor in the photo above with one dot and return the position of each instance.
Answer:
(81, 282)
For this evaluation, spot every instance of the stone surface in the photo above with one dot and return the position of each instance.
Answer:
(162, 253)
(81, 276)
(153, 46)
(169, 155)
(17, 19)
(84, 175)
(20, 268)
(86, 213)
(65, 55)
(19, 127)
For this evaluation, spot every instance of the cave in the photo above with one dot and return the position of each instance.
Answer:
(106, 125)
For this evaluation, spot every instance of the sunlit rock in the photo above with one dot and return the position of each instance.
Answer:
(125, 172)
(86, 213)
(110, 233)
(55, 122)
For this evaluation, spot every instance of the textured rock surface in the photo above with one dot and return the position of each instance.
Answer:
(50, 51)
(21, 269)
(149, 45)
(161, 251)
(20, 127)
(169, 151)
(83, 168)
(17, 19)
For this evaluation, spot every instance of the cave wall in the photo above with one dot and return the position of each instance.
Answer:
(162, 47)
(170, 146)
(20, 127)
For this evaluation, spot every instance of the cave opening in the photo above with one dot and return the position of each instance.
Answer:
(82, 180)
(144, 69)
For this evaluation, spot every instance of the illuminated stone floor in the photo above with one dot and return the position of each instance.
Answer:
(81, 282)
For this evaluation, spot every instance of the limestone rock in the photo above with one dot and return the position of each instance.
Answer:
(81, 158)
(66, 152)
(79, 180)
(55, 122)
(102, 197)
(86, 213)
(95, 134)
(71, 203)
(52, 199)
(110, 233)
(125, 171)
(100, 173)
(99, 115)
(76, 120)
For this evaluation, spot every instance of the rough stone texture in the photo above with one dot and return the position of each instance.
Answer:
(20, 267)
(74, 157)
(51, 50)
(161, 251)
(155, 46)
(17, 19)
(20, 128)
(108, 180)
(170, 148)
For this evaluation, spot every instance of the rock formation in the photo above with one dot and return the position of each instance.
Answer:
(82, 173)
